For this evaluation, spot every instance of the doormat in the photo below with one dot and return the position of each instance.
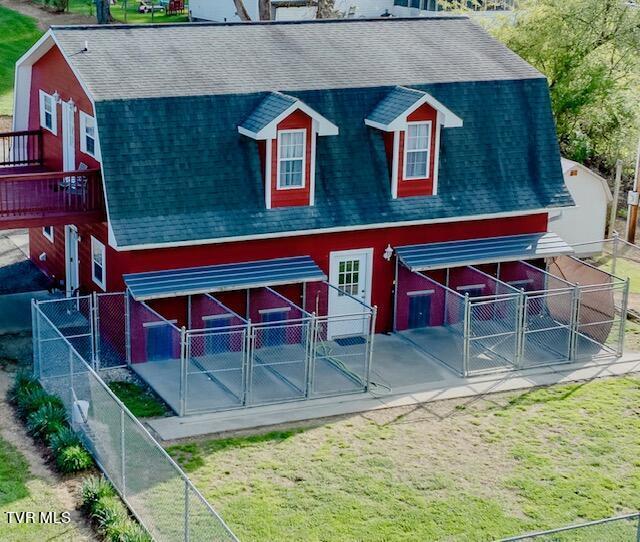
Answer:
(350, 341)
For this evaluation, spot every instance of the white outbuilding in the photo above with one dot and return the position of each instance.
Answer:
(587, 220)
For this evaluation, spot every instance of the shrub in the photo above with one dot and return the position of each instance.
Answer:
(105, 508)
(73, 458)
(30, 400)
(23, 382)
(63, 438)
(45, 421)
(95, 488)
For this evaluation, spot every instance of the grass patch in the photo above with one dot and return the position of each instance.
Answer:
(140, 401)
(129, 14)
(501, 466)
(17, 34)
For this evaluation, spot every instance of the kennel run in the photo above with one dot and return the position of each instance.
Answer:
(215, 338)
(476, 310)
(230, 336)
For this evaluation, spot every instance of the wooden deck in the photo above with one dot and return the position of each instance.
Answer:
(31, 196)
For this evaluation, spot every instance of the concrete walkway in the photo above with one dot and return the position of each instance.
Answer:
(443, 385)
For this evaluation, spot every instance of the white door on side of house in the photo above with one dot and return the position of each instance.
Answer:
(72, 269)
(68, 136)
(349, 270)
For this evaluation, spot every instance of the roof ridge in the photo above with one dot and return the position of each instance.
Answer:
(121, 26)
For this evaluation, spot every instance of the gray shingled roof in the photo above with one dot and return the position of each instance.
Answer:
(177, 170)
(394, 104)
(198, 59)
(269, 109)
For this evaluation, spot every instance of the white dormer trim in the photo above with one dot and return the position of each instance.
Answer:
(324, 126)
(446, 117)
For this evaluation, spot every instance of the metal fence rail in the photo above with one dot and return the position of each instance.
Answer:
(624, 528)
(157, 491)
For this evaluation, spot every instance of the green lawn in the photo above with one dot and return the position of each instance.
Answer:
(129, 15)
(470, 470)
(17, 34)
(22, 492)
(141, 402)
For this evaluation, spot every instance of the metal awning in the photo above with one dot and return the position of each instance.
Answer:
(218, 278)
(480, 251)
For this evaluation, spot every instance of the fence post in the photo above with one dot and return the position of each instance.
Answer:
(614, 258)
(186, 511)
(95, 335)
(369, 355)
(183, 371)
(35, 340)
(623, 317)
(249, 363)
(395, 298)
(466, 338)
(123, 462)
(575, 322)
(521, 327)
(311, 354)
(127, 325)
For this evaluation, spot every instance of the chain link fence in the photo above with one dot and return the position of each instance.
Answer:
(512, 315)
(152, 485)
(616, 529)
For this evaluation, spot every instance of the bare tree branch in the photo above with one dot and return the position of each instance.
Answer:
(241, 10)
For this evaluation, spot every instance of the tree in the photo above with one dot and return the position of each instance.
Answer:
(103, 12)
(590, 52)
(326, 9)
(264, 10)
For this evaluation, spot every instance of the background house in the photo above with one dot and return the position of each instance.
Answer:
(586, 221)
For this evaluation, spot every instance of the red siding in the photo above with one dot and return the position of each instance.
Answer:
(418, 187)
(295, 196)
(52, 73)
(318, 247)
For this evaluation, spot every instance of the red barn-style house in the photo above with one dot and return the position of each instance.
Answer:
(311, 165)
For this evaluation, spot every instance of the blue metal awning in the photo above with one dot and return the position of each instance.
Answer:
(218, 278)
(480, 251)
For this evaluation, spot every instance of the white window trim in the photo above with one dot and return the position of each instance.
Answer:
(46, 235)
(97, 244)
(407, 151)
(83, 136)
(304, 159)
(54, 113)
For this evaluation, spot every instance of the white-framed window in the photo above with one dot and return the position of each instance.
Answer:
(291, 159)
(417, 151)
(88, 135)
(98, 263)
(48, 113)
(47, 231)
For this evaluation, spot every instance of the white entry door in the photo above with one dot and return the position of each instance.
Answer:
(349, 270)
(72, 268)
(68, 136)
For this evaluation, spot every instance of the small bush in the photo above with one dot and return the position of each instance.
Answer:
(30, 400)
(45, 421)
(95, 488)
(105, 508)
(73, 458)
(63, 439)
(23, 382)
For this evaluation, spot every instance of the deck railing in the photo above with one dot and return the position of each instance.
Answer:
(43, 195)
(21, 148)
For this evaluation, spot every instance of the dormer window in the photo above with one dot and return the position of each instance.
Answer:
(287, 131)
(416, 152)
(412, 120)
(291, 163)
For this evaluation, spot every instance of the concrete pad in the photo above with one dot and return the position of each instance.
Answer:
(450, 387)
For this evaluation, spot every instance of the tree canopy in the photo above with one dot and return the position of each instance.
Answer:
(590, 52)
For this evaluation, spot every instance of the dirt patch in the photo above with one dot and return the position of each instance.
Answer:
(44, 17)
(5, 122)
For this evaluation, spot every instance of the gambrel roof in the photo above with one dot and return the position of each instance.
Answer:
(169, 100)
